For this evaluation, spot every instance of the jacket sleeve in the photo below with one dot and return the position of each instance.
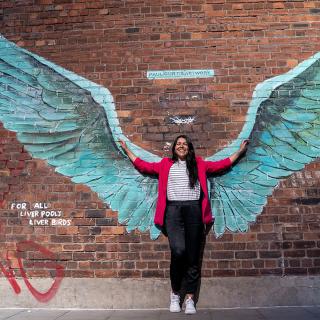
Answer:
(147, 167)
(214, 166)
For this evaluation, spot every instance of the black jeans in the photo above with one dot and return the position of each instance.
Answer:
(183, 223)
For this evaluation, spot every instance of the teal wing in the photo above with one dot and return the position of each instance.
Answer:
(71, 122)
(283, 126)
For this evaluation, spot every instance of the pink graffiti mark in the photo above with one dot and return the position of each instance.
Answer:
(2, 204)
(40, 296)
(9, 273)
(0, 222)
(10, 276)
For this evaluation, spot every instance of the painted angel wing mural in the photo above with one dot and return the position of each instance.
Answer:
(283, 126)
(71, 122)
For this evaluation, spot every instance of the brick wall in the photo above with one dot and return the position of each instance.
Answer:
(114, 43)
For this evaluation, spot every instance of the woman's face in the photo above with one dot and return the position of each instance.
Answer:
(181, 148)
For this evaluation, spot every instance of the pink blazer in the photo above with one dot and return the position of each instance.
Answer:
(162, 170)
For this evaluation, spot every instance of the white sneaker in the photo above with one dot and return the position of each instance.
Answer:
(190, 309)
(174, 303)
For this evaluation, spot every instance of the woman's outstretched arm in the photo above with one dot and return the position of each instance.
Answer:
(241, 151)
(214, 166)
(129, 153)
(139, 164)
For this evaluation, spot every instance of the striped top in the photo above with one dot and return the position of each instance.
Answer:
(178, 183)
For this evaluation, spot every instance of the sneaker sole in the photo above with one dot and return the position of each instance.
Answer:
(190, 312)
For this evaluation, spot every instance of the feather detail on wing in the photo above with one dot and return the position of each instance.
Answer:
(283, 126)
(71, 122)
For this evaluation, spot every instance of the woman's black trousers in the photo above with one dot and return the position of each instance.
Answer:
(184, 226)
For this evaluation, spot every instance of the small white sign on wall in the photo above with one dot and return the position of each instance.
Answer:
(180, 74)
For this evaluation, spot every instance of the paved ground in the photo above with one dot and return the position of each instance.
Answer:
(278, 313)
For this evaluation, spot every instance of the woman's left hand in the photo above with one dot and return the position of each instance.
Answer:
(244, 146)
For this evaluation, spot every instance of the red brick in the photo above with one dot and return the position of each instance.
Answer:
(245, 255)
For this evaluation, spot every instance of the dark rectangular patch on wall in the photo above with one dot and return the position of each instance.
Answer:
(315, 10)
(307, 201)
(174, 15)
(301, 25)
(132, 30)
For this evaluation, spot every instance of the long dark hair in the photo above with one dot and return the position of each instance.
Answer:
(190, 160)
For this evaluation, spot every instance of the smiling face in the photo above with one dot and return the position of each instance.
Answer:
(181, 149)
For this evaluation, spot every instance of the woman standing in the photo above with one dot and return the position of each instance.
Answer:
(183, 210)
